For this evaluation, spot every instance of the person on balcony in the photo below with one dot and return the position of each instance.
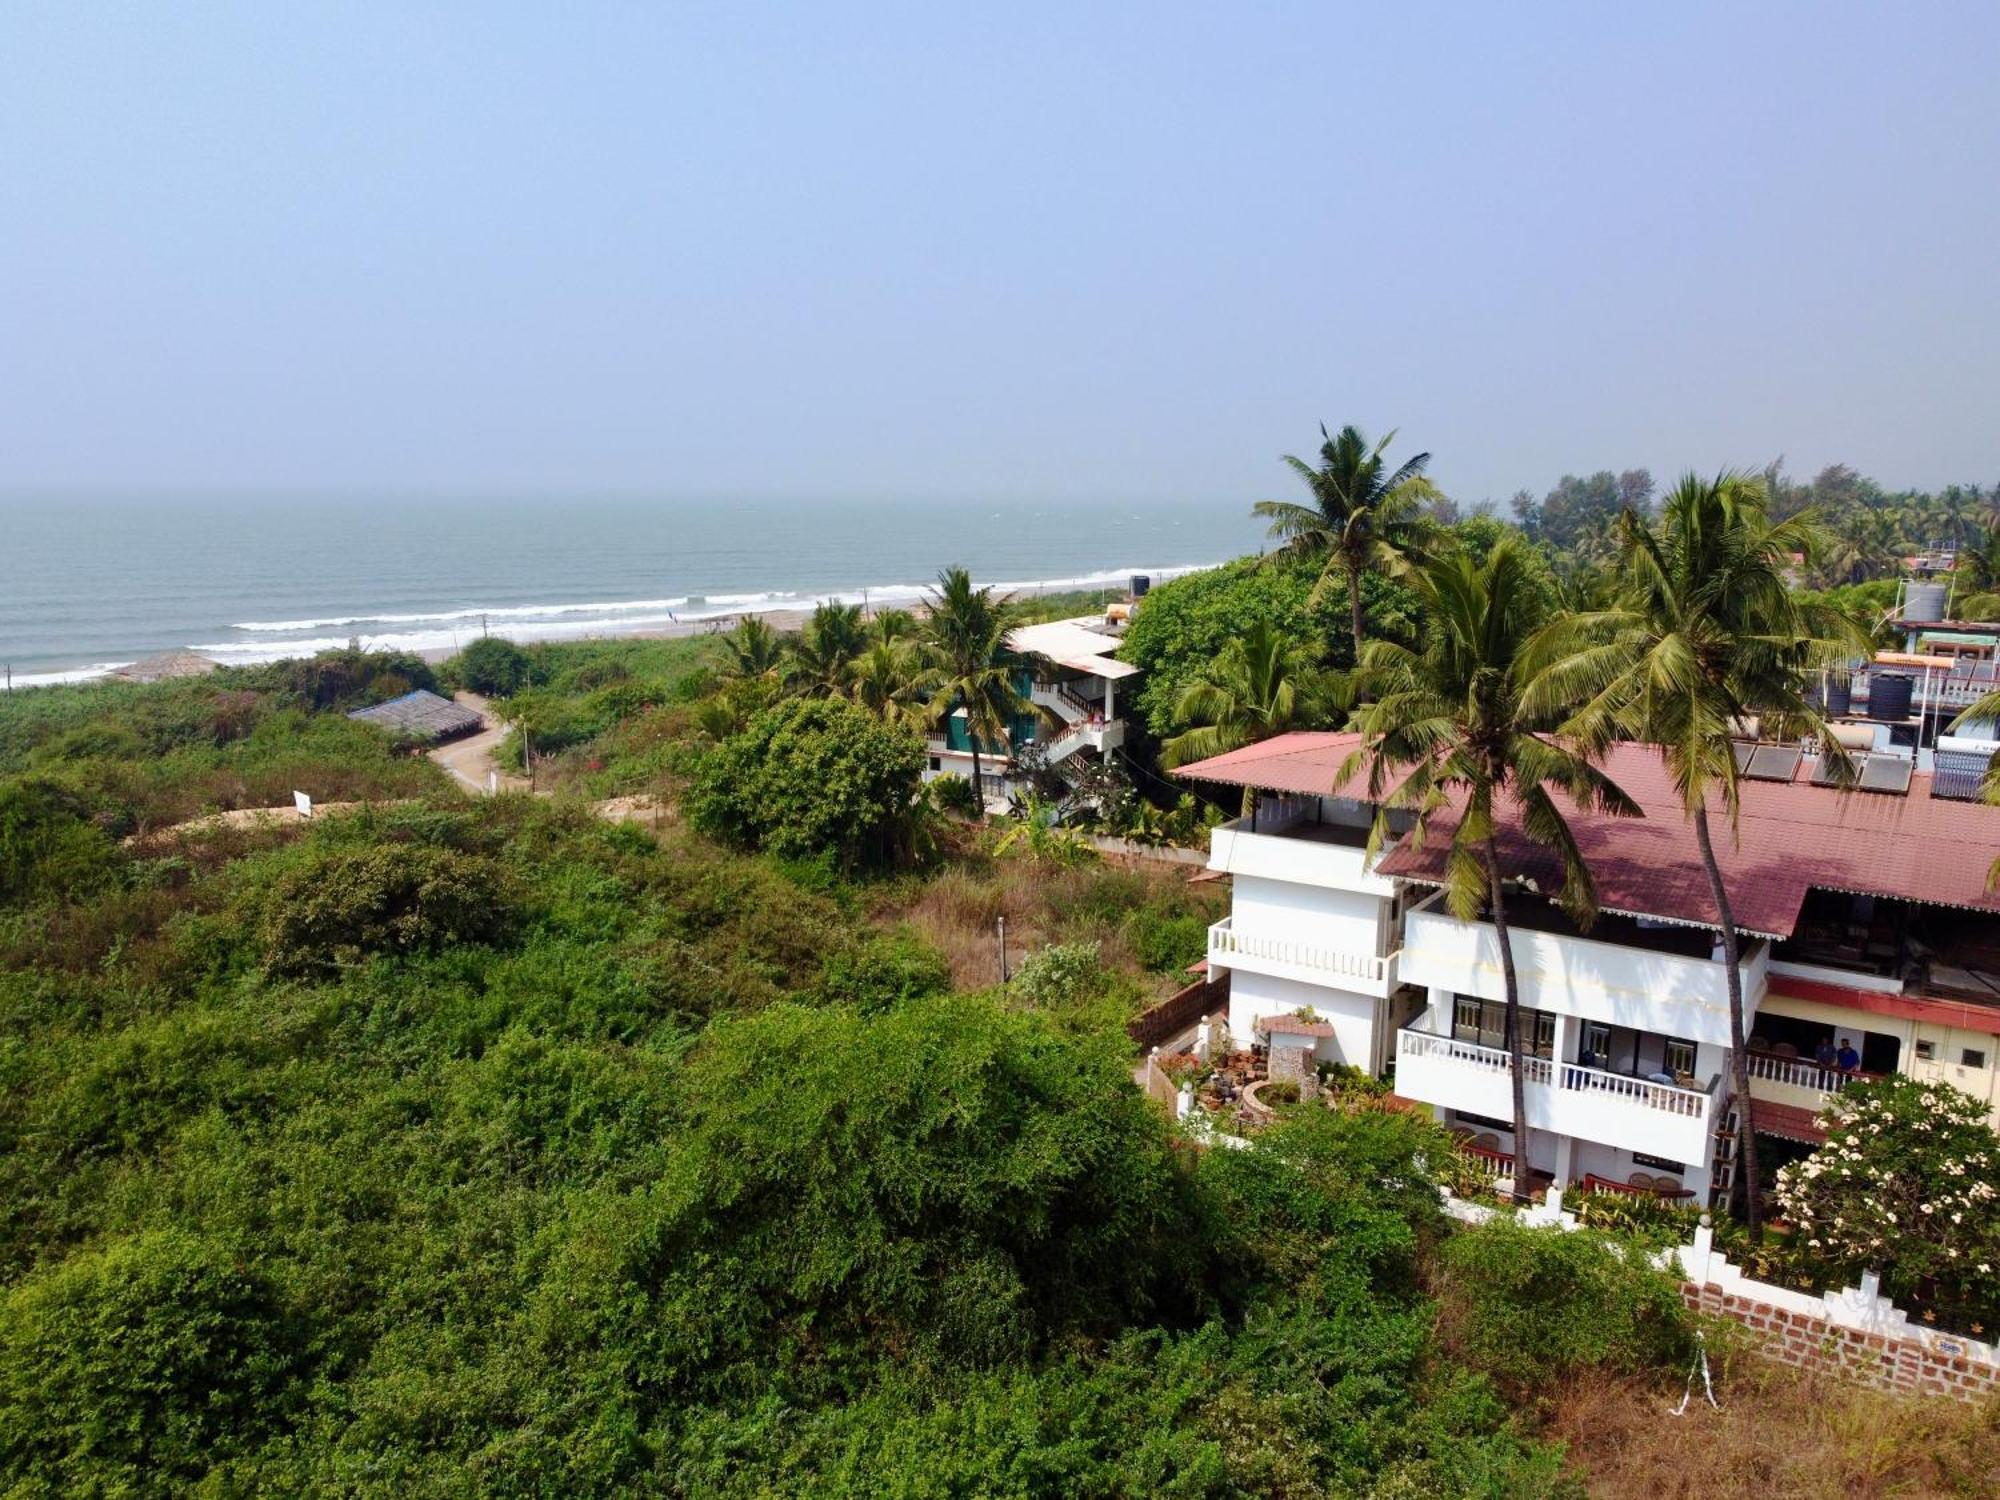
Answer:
(1826, 1054)
(1848, 1058)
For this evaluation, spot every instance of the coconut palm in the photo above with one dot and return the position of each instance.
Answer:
(827, 642)
(970, 669)
(889, 679)
(754, 649)
(1259, 686)
(1362, 514)
(892, 625)
(1705, 633)
(1450, 726)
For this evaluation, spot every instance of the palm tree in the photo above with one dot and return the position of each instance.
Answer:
(971, 672)
(889, 680)
(1450, 720)
(892, 625)
(1362, 516)
(827, 642)
(1259, 686)
(754, 649)
(1705, 632)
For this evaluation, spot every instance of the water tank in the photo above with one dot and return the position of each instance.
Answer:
(1923, 601)
(1889, 695)
(1839, 696)
(1142, 582)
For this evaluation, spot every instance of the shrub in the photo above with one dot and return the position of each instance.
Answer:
(129, 1370)
(1530, 1306)
(492, 666)
(342, 904)
(1061, 975)
(1279, 1091)
(952, 793)
(48, 848)
(1905, 1183)
(811, 776)
(882, 973)
(1167, 942)
(343, 679)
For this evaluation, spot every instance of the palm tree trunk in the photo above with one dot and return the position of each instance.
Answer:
(1515, 1060)
(1355, 620)
(978, 790)
(1739, 1056)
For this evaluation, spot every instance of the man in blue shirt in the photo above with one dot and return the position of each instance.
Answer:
(1848, 1059)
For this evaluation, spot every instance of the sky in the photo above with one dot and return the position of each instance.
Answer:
(997, 252)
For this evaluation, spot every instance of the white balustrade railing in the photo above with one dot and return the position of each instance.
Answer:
(1801, 1072)
(1225, 942)
(1668, 1098)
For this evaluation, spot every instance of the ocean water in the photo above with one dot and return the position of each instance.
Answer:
(87, 585)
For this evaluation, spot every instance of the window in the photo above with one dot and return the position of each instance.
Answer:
(1465, 1019)
(937, 762)
(1657, 1163)
(1972, 1057)
(1596, 1043)
(1545, 1034)
(1926, 1050)
(1680, 1055)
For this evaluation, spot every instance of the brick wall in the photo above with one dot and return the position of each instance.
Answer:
(1932, 1364)
(1179, 1012)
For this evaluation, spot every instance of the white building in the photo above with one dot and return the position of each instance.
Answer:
(1864, 915)
(1071, 676)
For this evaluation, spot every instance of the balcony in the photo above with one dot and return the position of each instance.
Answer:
(1591, 1104)
(1348, 969)
(1798, 1081)
(1287, 842)
(1657, 980)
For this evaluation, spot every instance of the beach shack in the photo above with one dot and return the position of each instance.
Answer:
(422, 718)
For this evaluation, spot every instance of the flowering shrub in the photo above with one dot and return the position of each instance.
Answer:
(1905, 1184)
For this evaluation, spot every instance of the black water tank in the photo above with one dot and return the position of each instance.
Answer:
(1888, 696)
(1839, 696)
(1140, 583)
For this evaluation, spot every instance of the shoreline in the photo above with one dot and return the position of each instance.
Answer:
(782, 617)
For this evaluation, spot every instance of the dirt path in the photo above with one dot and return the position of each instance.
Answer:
(470, 761)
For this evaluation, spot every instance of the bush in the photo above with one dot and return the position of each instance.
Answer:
(492, 666)
(812, 776)
(1905, 1183)
(882, 973)
(344, 679)
(952, 793)
(48, 848)
(338, 905)
(1534, 1306)
(1061, 975)
(1167, 942)
(131, 1370)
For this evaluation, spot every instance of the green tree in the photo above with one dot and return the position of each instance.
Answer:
(1363, 517)
(812, 776)
(755, 651)
(823, 649)
(889, 679)
(973, 673)
(1261, 685)
(1450, 723)
(493, 666)
(1706, 633)
(1907, 1183)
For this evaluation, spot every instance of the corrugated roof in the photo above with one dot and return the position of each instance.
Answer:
(1072, 644)
(1791, 837)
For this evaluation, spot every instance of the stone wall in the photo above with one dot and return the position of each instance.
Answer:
(1926, 1363)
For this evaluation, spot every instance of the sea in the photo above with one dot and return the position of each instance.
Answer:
(88, 585)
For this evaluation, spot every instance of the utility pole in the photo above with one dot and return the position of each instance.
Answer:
(1004, 976)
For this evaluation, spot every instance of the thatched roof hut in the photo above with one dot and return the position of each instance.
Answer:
(165, 664)
(422, 716)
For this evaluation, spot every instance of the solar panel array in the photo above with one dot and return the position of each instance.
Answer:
(1773, 762)
(1887, 773)
(1957, 775)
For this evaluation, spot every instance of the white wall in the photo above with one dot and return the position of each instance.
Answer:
(1353, 1016)
(1308, 914)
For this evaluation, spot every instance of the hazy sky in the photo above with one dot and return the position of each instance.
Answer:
(1049, 251)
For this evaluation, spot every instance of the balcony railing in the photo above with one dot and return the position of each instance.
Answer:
(1225, 943)
(1804, 1073)
(1668, 1098)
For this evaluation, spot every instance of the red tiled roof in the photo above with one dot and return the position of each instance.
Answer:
(1786, 1121)
(1791, 836)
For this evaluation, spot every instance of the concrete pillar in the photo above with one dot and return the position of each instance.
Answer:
(1565, 1151)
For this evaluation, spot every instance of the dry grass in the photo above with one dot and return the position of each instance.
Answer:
(1781, 1435)
(958, 911)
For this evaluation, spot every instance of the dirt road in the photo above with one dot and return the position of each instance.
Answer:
(470, 760)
